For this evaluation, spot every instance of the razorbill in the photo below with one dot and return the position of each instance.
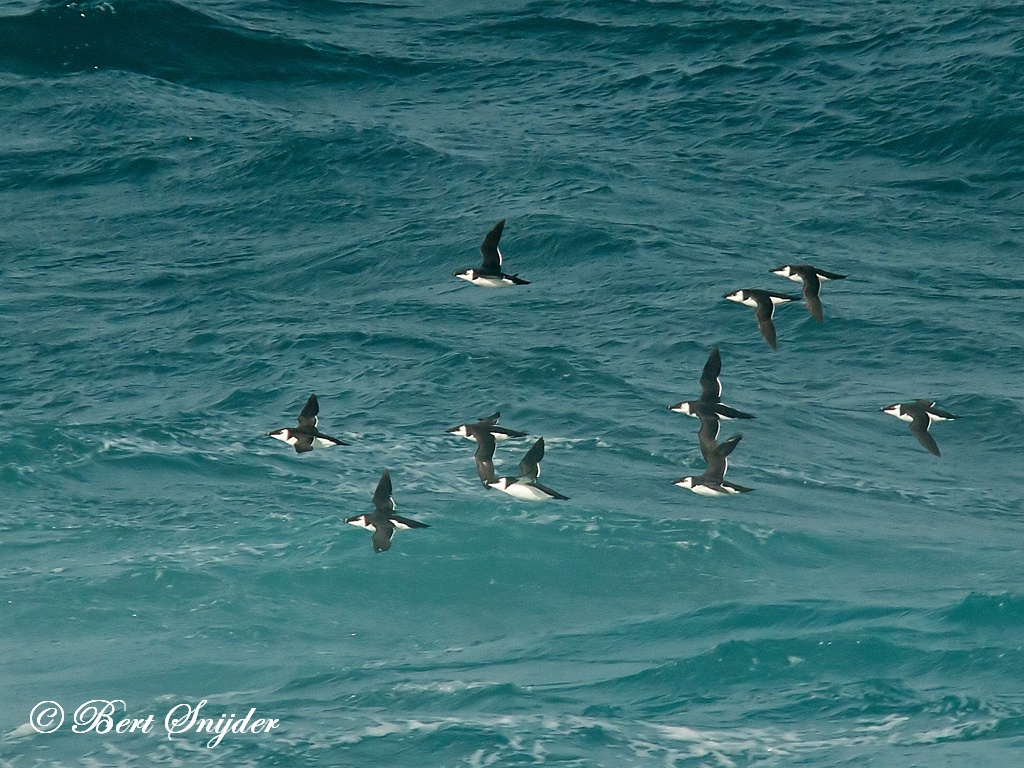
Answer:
(764, 307)
(383, 519)
(489, 424)
(306, 436)
(811, 277)
(709, 405)
(482, 432)
(490, 275)
(920, 414)
(713, 482)
(525, 485)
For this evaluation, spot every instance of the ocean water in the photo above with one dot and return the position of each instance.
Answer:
(210, 210)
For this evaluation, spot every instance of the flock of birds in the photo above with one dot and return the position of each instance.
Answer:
(708, 408)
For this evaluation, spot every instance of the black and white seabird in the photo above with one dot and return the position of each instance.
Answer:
(709, 405)
(713, 482)
(489, 424)
(483, 432)
(920, 414)
(811, 277)
(306, 436)
(525, 485)
(490, 275)
(383, 519)
(764, 307)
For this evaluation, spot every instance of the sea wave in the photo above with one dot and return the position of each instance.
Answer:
(169, 41)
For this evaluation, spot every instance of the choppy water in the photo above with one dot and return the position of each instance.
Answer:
(208, 211)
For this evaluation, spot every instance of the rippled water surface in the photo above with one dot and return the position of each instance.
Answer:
(210, 210)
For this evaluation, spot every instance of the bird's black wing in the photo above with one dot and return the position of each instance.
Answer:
(382, 496)
(707, 435)
(529, 467)
(383, 530)
(919, 429)
(763, 313)
(812, 286)
(710, 386)
(408, 522)
(718, 461)
(489, 248)
(484, 456)
(829, 275)
(309, 411)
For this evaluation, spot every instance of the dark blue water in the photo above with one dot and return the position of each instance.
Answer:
(209, 211)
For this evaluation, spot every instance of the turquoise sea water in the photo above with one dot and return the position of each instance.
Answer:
(210, 210)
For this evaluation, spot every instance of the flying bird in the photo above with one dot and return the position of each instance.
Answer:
(812, 278)
(713, 482)
(383, 520)
(488, 424)
(524, 485)
(483, 432)
(490, 275)
(306, 436)
(920, 414)
(764, 303)
(709, 405)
